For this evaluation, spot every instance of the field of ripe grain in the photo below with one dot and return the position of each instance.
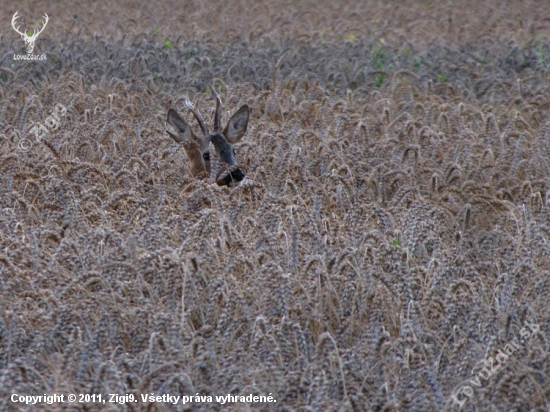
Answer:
(389, 249)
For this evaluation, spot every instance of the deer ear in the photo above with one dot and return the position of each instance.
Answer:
(191, 145)
(183, 130)
(236, 127)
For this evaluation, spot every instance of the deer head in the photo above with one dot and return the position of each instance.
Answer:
(29, 40)
(197, 149)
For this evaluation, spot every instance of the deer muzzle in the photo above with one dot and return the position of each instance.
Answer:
(230, 177)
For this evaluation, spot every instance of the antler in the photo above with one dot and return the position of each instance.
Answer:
(14, 18)
(218, 115)
(46, 18)
(35, 33)
(197, 115)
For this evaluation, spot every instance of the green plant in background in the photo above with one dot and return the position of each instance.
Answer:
(323, 32)
(193, 51)
(168, 44)
(539, 51)
(443, 77)
(379, 79)
(379, 58)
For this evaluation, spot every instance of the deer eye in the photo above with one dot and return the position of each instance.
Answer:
(206, 156)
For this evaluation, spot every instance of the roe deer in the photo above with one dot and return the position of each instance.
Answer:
(197, 149)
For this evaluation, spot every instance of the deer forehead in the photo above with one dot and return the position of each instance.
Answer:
(223, 148)
(220, 142)
(205, 144)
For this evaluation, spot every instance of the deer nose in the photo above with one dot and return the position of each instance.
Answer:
(230, 178)
(237, 175)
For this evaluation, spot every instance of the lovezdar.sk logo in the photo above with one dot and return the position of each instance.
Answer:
(29, 39)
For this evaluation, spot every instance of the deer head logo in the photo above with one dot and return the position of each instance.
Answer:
(198, 150)
(29, 40)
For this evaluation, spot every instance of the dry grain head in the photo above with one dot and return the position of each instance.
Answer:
(197, 149)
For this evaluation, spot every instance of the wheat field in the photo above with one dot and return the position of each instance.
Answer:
(389, 249)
